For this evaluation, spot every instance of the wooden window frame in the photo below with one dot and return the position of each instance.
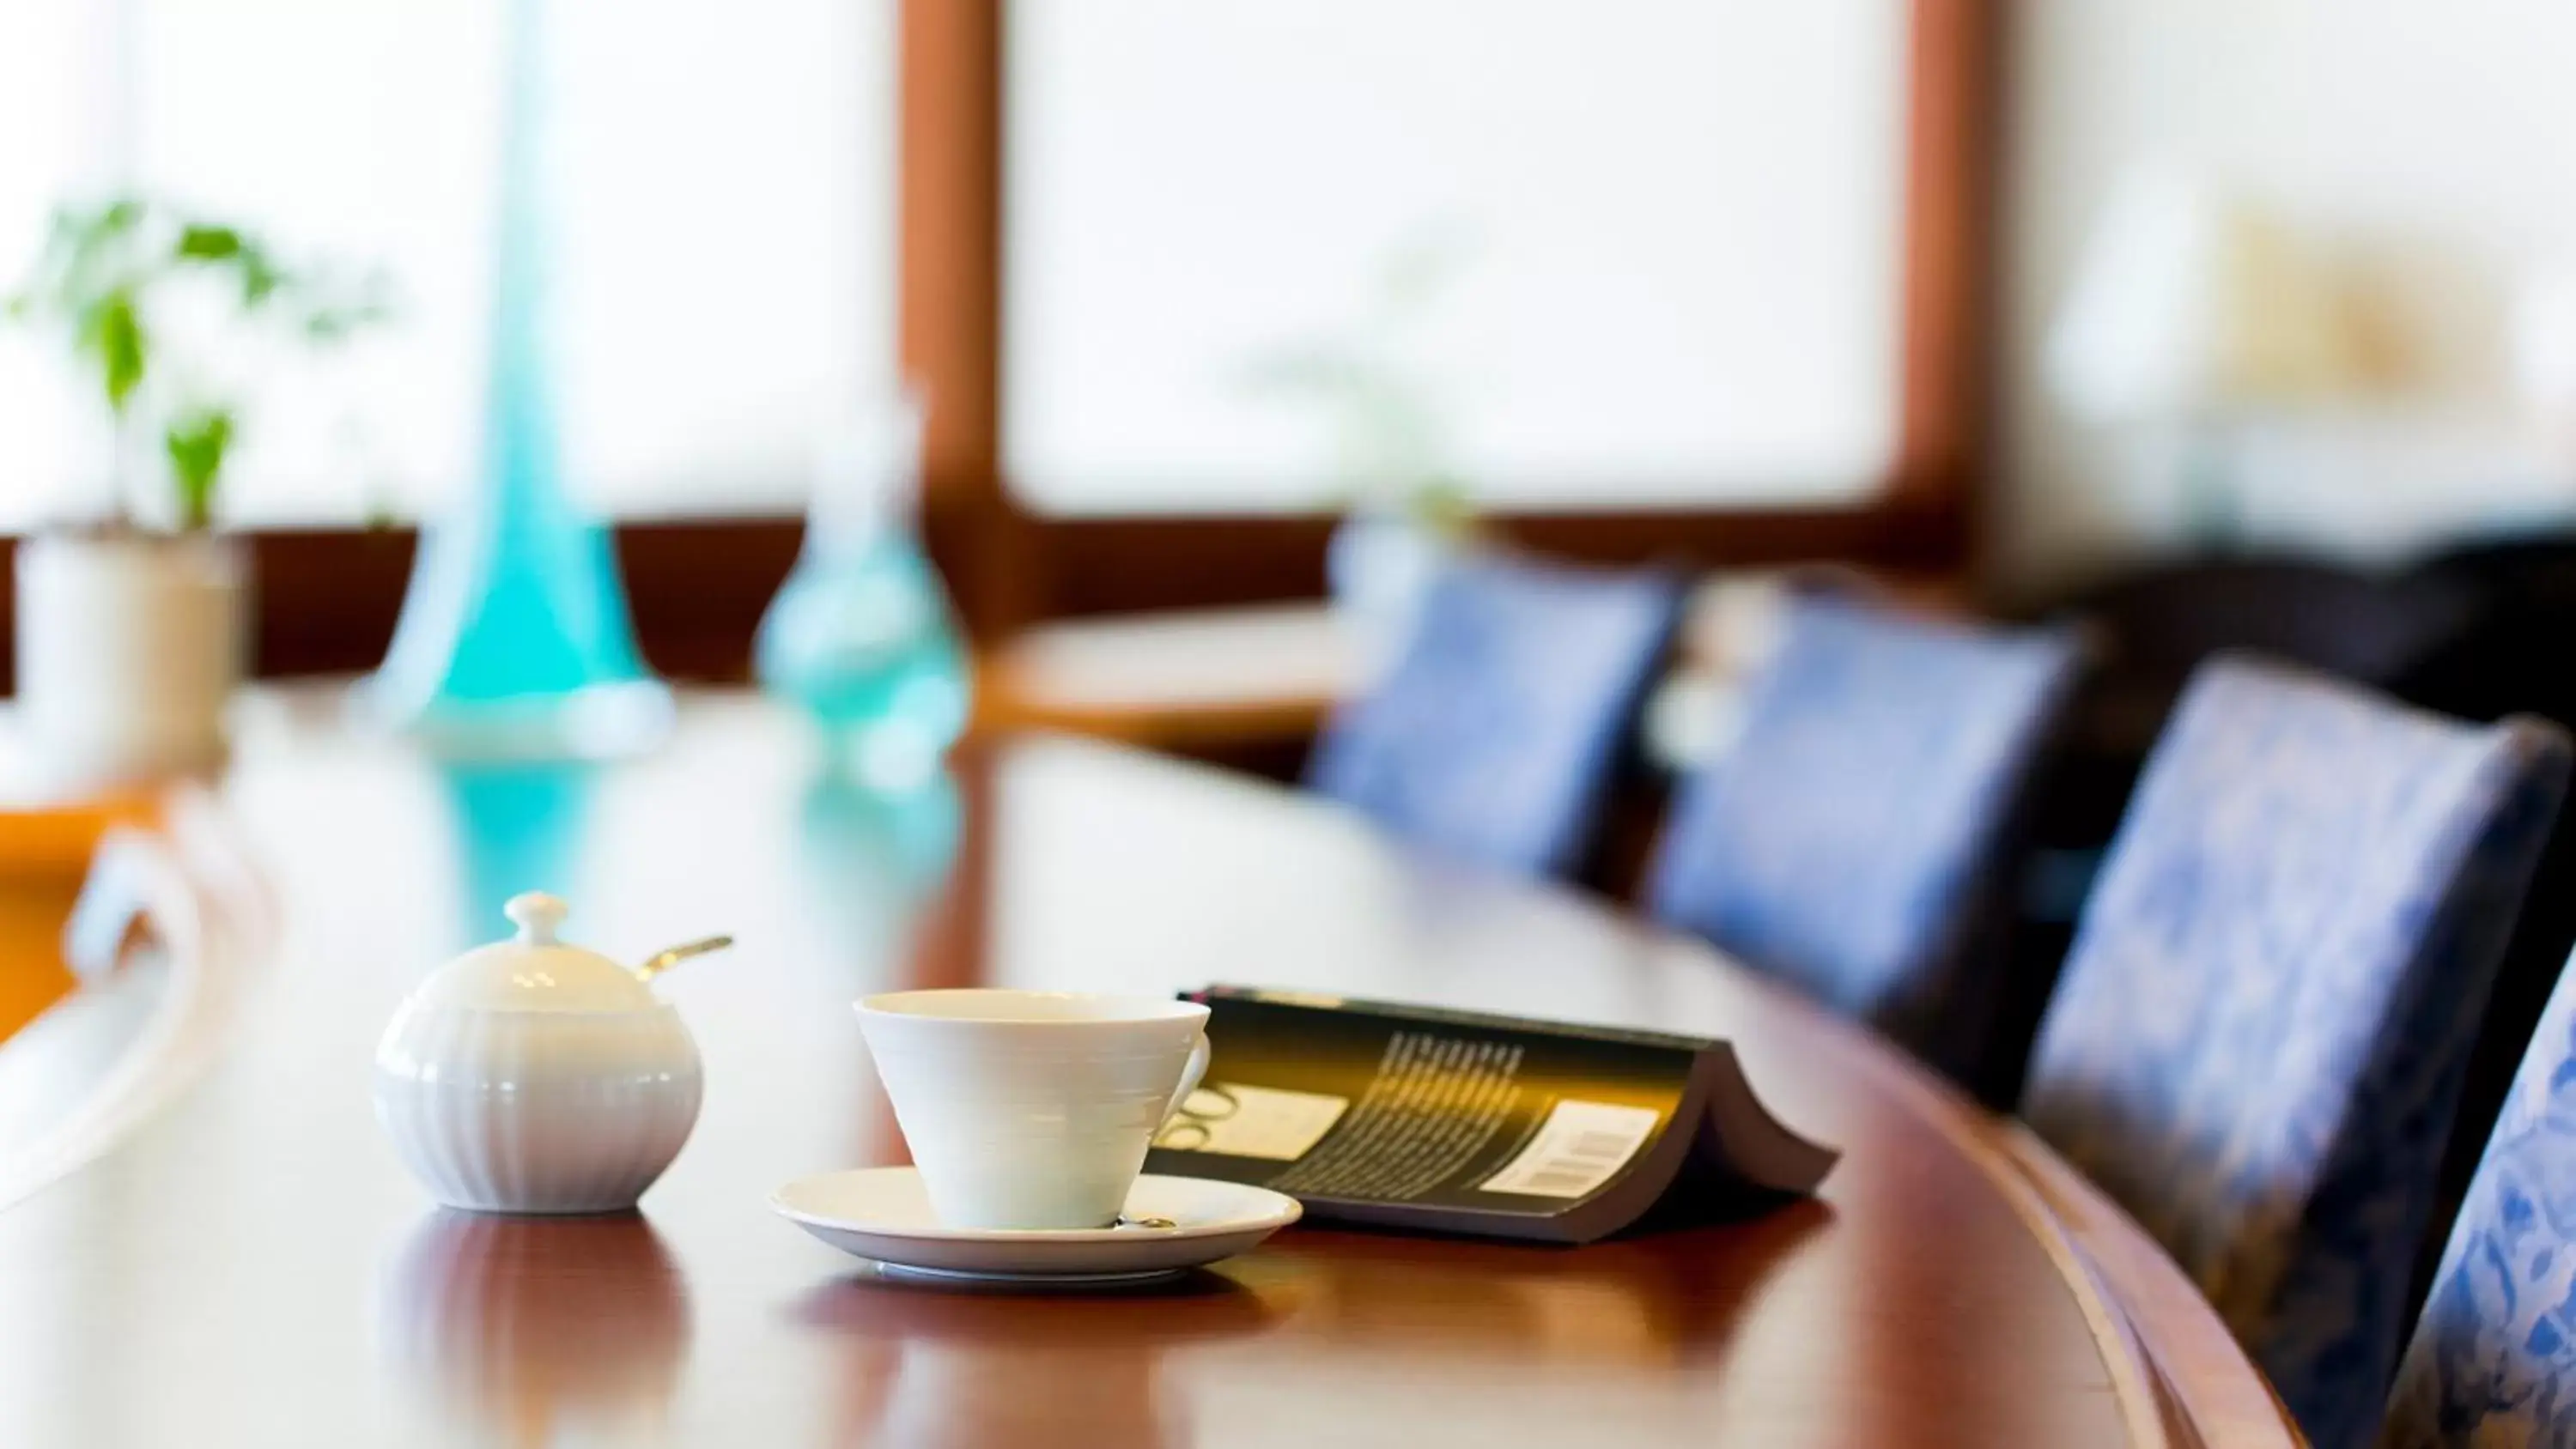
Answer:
(1010, 566)
(328, 597)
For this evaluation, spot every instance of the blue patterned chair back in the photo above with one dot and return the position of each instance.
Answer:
(1849, 841)
(2494, 1356)
(1495, 734)
(2258, 1039)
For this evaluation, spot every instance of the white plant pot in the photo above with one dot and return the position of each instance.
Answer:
(129, 649)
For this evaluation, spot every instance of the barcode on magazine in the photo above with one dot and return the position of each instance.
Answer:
(1580, 1146)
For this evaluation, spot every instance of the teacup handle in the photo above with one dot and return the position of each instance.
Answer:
(1190, 1076)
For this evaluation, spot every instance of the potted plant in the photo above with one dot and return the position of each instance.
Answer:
(132, 628)
(1408, 510)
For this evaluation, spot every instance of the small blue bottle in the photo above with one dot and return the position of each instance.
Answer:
(861, 634)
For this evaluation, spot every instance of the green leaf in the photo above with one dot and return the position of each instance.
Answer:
(334, 324)
(337, 318)
(111, 333)
(79, 249)
(117, 217)
(197, 441)
(207, 244)
(261, 278)
(199, 242)
(99, 249)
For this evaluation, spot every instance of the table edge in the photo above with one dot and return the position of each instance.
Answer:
(2181, 1378)
(2187, 1370)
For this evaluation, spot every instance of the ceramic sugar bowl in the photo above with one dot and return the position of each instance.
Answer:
(532, 1076)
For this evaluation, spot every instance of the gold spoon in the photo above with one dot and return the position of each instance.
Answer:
(661, 961)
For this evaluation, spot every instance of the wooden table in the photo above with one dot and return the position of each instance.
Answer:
(1185, 681)
(250, 1266)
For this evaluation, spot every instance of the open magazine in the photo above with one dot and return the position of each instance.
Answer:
(1408, 1116)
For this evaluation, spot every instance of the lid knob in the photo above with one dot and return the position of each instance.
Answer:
(536, 914)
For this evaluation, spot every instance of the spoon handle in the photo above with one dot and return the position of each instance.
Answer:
(661, 961)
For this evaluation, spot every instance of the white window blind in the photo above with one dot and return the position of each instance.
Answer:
(724, 218)
(1575, 252)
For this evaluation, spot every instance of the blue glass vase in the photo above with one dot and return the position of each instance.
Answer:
(861, 634)
(514, 639)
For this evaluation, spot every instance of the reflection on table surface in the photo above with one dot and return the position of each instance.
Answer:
(532, 1331)
(944, 1368)
(252, 1268)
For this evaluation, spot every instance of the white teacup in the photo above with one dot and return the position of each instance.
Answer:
(1032, 1109)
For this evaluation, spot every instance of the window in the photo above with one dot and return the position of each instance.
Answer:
(1576, 253)
(725, 230)
(1681, 279)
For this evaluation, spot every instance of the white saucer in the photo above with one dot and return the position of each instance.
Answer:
(883, 1214)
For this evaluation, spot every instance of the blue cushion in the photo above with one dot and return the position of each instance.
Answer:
(2494, 1356)
(1494, 735)
(2258, 1039)
(1849, 838)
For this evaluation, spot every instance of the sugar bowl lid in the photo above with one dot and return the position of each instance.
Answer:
(534, 971)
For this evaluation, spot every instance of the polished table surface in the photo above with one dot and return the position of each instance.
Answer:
(250, 1266)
